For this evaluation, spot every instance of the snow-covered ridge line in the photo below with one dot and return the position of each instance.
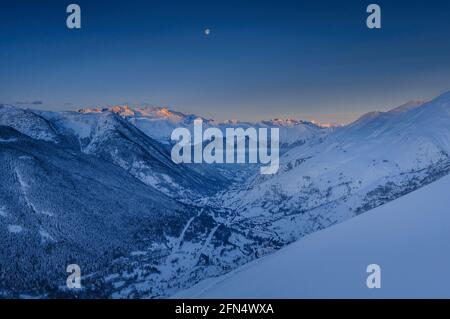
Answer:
(159, 123)
(153, 112)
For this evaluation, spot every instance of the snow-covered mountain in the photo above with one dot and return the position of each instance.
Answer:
(158, 123)
(60, 206)
(378, 158)
(110, 137)
(408, 238)
(323, 181)
(107, 175)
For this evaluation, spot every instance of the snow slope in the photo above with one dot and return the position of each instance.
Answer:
(28, 123)
(110, 137)
(409, 238)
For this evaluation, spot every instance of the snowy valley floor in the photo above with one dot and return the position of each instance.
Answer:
(409, 238)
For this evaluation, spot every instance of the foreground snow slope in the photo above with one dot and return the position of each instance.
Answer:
(409, 238)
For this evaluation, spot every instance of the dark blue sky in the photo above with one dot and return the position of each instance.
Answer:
(263, 59)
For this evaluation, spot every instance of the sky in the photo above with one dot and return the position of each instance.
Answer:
(262, 59)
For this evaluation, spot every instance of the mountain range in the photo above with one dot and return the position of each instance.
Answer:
(97, 187)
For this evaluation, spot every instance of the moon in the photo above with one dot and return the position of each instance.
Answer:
(207, 31)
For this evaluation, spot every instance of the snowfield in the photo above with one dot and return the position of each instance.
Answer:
(409, 238)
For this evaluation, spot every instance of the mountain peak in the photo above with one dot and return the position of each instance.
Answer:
(149, 112)
(284, 122)
(123, 110)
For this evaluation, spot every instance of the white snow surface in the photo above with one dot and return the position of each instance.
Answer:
(409, 238)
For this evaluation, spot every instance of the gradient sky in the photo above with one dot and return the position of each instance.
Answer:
(263, 59)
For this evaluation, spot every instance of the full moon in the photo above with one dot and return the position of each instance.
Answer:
(207, 31)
